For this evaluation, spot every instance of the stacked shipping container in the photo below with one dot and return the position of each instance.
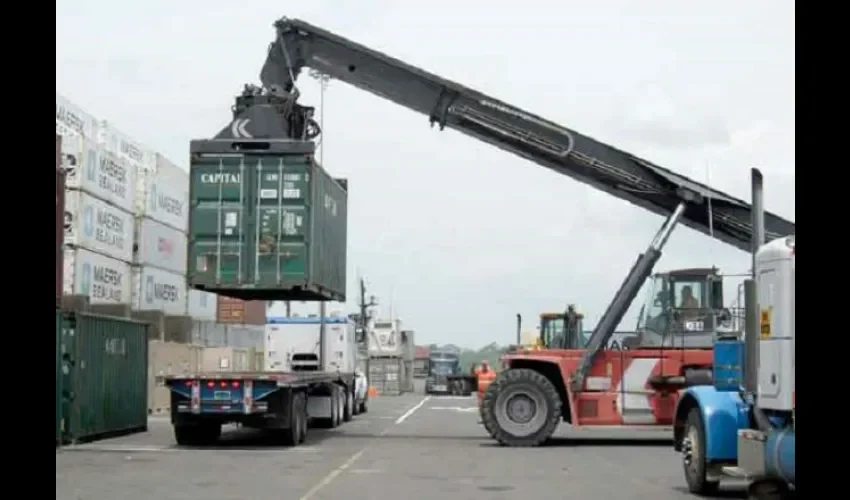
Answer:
(98, 223)
(125, 223)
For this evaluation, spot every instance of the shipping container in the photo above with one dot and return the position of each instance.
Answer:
(160, 246)
(71, 120)
(95, 171)
(292, 344)
(125, 147)
(385, 375)
(102, 279)
(202, 305)
(267, 228)
(163, 194)
(59, 376)
(158, 290)
(167, 359)
(60, 219)
(95, 225)
(213, 334)
(225, 359)
(251, 312)
(105, 370)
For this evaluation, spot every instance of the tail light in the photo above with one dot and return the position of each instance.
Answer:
(235, 384)
(210, 384)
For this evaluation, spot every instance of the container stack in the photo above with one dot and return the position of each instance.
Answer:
(162, 196)
(98, 220)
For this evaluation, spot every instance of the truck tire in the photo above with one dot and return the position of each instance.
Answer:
(201, 434)
(364, 406)
(348, 414)
(340, 405)
(693, 456)
(521, 408)
(291, 436)
(305, 418)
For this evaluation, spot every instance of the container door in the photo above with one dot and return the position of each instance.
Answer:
(282, 220)
(220, 220)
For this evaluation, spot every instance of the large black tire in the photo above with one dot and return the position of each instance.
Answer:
(694, 462)
(292, 435)
(364, 407)
(202, 434)
(348, 412)
(518, 389)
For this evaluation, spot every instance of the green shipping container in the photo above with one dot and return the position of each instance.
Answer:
(58, 377)
(106, 363)
(267, 227)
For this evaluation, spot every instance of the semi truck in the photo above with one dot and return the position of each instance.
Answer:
(309, 379)
(446, 376)
(590, 386)
(743, 424)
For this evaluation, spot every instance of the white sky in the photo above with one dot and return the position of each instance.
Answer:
(461, 234)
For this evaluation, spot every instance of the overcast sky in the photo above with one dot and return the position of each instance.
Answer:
(460, 234)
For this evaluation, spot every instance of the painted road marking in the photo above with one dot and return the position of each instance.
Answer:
(461, 409)
(411, 411)
(118, 448)
(332, 475)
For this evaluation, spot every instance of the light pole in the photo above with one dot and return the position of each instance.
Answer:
(323, 80)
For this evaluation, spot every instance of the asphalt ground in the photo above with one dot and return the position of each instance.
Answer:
(408, 447)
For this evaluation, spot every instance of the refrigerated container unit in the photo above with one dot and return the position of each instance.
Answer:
(267, 227)
(202, 306)
(100, 278)
(97, 172)
(157, 290)
(60, 219)
(72, 120)
(385, 338)
(293, 344)
(139, 156)
(95, 225)
(160, 246)
(162, 194)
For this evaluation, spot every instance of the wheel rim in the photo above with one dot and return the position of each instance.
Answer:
(521, 412)
(691, 452)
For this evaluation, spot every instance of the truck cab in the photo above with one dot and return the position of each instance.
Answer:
(442, 368)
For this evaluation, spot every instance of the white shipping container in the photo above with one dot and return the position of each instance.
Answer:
(91, 169)
(202, 305)
(96, 225)
(290, 342)
(101, 279)
(160, 246)
(125, 147)
(72, 120)
(158, 290)
(163, 195)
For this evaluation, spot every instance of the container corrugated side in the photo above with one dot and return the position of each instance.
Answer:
(102, 279)
(385, 375)
(268, 227)
(60, 219)
(160, 246)
(139, 156)
(202, 305)
(158, 290)
(73, 120)
(96, 225)
(58, 376)
(108, 375)
(163, 194)
(104, 175)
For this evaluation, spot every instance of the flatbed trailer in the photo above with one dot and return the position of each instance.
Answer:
(284, 403)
